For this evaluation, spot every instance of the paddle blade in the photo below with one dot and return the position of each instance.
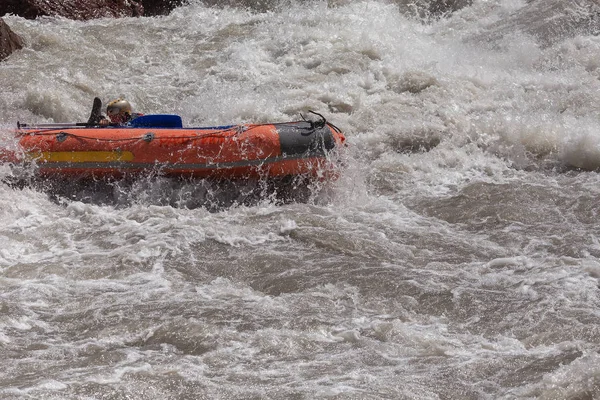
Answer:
(96, 114)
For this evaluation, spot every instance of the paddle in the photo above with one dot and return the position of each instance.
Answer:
(96, 115)
(59, 125)
(94, 120)
(142, 121)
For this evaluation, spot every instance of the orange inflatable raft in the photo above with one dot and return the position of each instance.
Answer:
(160, 143)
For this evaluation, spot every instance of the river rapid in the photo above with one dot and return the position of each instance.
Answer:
(456, 257)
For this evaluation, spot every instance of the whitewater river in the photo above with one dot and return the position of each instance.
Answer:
(457, 256)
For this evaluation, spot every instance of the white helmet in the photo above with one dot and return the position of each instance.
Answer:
(118, 106)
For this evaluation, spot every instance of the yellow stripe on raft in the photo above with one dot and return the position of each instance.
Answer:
(81, 156)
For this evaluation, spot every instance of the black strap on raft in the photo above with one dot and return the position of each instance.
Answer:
(315, 124)
(319, 124)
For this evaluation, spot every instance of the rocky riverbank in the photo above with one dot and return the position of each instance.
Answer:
(9, 41)
(90, 9)
(87, 9)
(75, 9)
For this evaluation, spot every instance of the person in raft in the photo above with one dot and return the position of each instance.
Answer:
(118, 112)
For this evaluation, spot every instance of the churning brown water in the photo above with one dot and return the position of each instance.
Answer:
(457, 257)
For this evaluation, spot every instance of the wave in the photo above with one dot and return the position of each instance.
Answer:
(548, 21)
(417, 8)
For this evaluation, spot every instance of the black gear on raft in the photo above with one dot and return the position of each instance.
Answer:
(305, 138)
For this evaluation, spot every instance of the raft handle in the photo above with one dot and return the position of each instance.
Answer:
(148, 137)
(61, 136)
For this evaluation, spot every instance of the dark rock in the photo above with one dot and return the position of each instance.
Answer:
(9, 41)
(160, 7)
(72, 9)
(431, 9)
(255, 5)
(443, 7)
